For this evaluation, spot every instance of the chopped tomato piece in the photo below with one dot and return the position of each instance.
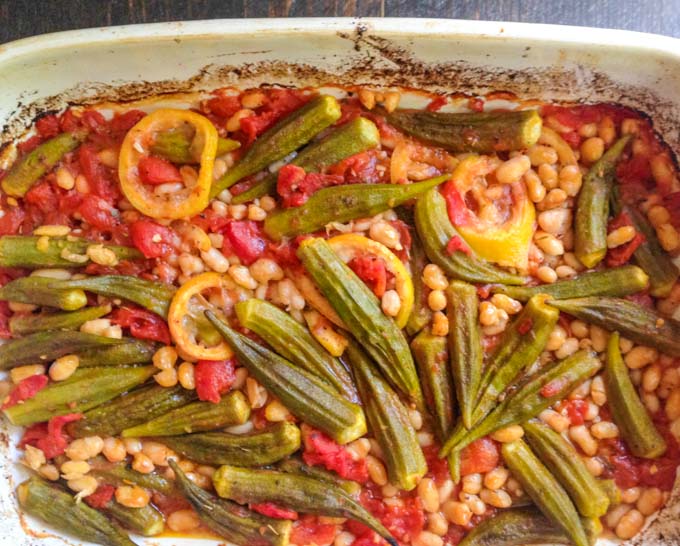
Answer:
(295, 186)
(279, 102)
(122, 123)
(309, 531)
(456, 244)
(362, 168)
(224, 106)
(26, 389)
(143, 324)
(214, 377)
(621, 254)
(11, 221)
(476, 104)
(274, 511)
(152, 239)
(29, 144)
(372, 271)
(439, 468)
(245, 239)
(42, 196)
(97, 212)
(635, 170)
(49, 437)
(319, 449)
(48, 126)
(101, 497)
(437, 103)
(99, 177)
(5, 314)
(405, 522)
(480, 456)
(576, 410)
(156, 170)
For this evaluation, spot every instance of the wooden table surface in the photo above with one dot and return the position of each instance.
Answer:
(22, 18)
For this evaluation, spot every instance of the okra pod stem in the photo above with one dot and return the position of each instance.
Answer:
(389, 422)
(360, 310)
(30, 168)
(435, 231)
(592, 209)
(294, 342)
(479, 132)
(195, 416)
(639, 324)
(146, 521)
(175, 146)
(628, 411)
(562, 459)
(22, 325)
(306, 396)
(544, 490)
(615, 282)
(353, 137)
(301, 493)
(465, 346)
(84, 390)
(341, 204)
(38, 252)
(39, 291)
(152, 295)
(60, 509)
(238, 524)
(286, 136)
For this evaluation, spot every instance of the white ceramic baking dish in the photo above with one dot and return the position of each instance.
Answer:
(532, 61)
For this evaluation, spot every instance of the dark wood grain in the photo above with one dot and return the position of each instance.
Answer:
(21, 18)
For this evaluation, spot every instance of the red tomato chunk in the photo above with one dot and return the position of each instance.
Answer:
(372, 271)
(143, 324)
(480, 456)
(156, 171)
(319, 449)
(26, 389)
(274, 511)
(214, 377)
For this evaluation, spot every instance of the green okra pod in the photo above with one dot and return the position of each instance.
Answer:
(351, 138)
(435, 231)
(592, 209)
(562, 459)
(431, 356)
(389, 422)
(639, 324)
(257, 448)
(60, 509)
(152, 295)
(421, 315)
(535, 393)
(306, 396)
(522, 343)
(341, 204)
(84, 390)
(175, 145)
(196, 416)
(301, 493)
(131, 351)
(615, 282)
(38, 252)
(146, 521)
(30, 168)
(39, 291)
(479, 132)
(650, 255)
(22, 325)
(465, 346)
(286, 136)
(295, 465)
(238, 524)
(611, 490)
(130, 409)
(628, 411)
(120, 474)
(544, 490)
(294, 342)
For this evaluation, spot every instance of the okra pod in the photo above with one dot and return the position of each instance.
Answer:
(152, 295)
(592, 209)
(360, 310)
(520, 526)
(435, 231)
(465, 346)
(301, 493)
(232, 409)
(544, 490)
(130, 409)
(295, 465)
(522, 343)
(421, 315)
(389, 422)
(639, 324)
(307, 397)
(431, 356)
(562, 459)
(238, 524)
(650, 255)
(286, 136)
(628, 411)
(478, 132)
(60, 509)
(22, 325)
(341, 204)
(39, 291)
(294, 342)
(50, 345)
(38, 252)
(120, 474)
(175, 146)
(535, 393)
(84, 390)
(131, 351)
(146, 521)
(615, 282)
(347, 140)
(611, 490)
(30, 168)
(257, 448)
